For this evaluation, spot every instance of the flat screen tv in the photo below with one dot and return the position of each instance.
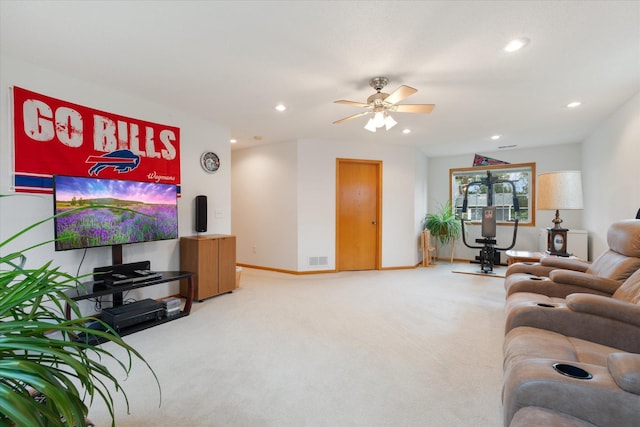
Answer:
(114, 212)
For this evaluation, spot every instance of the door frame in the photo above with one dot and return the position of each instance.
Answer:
(378, 249)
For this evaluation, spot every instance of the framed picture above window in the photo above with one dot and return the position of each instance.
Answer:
(521, 174)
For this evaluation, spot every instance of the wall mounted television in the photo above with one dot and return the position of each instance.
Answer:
(115, 212)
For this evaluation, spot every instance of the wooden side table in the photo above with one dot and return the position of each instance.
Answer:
(523, 256)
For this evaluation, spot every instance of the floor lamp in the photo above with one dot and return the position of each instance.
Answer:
(556, 191)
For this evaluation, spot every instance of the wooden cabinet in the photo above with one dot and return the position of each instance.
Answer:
(212, 259)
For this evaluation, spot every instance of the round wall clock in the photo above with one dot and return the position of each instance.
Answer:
(210, 161)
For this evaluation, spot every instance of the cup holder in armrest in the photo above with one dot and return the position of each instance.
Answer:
(545, 305)
(535, 278)
(572, 371)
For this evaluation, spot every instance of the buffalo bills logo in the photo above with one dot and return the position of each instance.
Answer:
(120, 160)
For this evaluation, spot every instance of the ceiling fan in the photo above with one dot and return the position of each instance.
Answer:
(381, 104)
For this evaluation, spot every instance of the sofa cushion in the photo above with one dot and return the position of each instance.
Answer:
(614, 265)
(526, 342)
(624, 237)
(599, 400)
(625, 370)
(533, 416)
(522, 282)
(630, 289)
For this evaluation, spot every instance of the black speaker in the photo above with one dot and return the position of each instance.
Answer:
(201, 214)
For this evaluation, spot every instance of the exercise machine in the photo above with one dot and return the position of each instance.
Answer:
(489, 252)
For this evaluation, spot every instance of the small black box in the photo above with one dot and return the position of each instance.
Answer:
(126, 315)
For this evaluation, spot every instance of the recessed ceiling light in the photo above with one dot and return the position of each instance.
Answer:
(516, 44)
(496, 137)
(233, 141)
(574, 104)
(280, 107)
(406, 131)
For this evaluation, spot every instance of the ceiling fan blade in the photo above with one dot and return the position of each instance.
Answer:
(414, 108)
(351, 117)
(354, 103)
(399, 94)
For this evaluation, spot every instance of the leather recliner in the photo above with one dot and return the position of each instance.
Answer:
(546, 392)
(613, 321)
(598, 334)
(567, 276)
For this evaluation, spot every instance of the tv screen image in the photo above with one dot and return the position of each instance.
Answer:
(114, 212)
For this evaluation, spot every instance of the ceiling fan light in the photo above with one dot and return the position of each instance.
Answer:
(378, 119)
(370, 126)
(389, 122)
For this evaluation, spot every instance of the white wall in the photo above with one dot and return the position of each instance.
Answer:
(265, 208)
(412, 182)
(312, 232)
(611, 158)
(421, 195)
(197, 136)
(547, 159)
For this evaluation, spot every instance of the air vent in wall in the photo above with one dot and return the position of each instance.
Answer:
(315, 261)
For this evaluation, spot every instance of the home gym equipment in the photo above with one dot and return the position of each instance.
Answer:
(489, 252)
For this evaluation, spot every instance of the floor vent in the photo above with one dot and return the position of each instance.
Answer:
(315, 261)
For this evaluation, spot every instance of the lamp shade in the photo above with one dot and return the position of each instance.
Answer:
(559, 190)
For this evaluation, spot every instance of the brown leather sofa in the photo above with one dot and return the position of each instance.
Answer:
(599, 335)
(613, 320)
(535, 416)
(559, 277)
(551, 340)
(605, 395)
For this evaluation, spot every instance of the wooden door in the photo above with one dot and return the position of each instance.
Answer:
(358, 214)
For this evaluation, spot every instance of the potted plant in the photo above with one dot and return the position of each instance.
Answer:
(443, 225)
(41, 353)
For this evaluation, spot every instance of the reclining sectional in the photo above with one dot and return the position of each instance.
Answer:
(574, 359)
(559, 277)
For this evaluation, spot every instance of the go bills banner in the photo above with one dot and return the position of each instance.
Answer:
(54, 137)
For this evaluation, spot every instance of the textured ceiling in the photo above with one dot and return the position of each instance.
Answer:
(232, 62)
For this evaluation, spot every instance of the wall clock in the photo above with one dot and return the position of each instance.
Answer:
(210, 161)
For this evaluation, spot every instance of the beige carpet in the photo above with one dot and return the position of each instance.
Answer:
(416, 347)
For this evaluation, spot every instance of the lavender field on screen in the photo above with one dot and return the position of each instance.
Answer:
(106, 226)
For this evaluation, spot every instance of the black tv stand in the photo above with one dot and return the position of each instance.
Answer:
(98, 288)
(116, 254)
(118, 275)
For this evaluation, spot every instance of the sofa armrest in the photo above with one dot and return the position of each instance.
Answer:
(585, 280)
(606, 307)
(565, 263)
(532, 268)
(625, 370)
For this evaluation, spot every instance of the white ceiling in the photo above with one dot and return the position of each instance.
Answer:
(232, 62)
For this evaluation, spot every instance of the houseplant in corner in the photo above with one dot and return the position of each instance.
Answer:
(443, 225)
(41, 352)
